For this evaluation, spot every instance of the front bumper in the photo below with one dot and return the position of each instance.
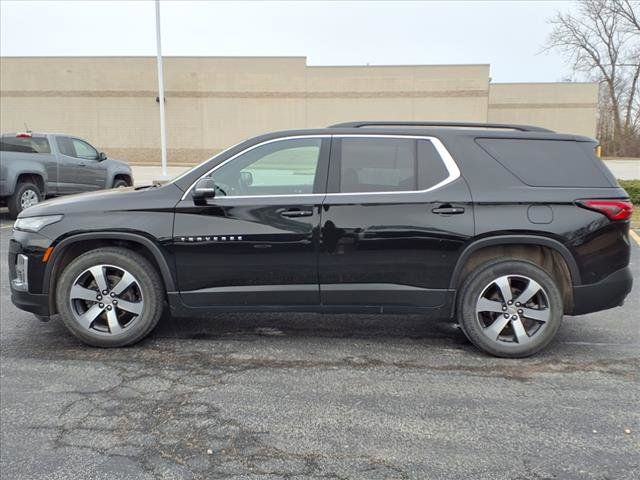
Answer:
(608, 293)
(32, 245)
(37, 303)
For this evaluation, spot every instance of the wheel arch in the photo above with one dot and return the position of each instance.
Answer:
(122, 176)
(526, 247)
(37, 178)
(59, 260)
(515, 240)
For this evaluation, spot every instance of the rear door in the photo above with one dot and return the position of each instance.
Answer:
(68, 166)
(393, 222)
(256, 242)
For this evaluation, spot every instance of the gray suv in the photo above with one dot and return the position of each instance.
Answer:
(34, 166)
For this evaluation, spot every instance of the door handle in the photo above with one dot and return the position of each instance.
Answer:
(296, 213)
(448, 210)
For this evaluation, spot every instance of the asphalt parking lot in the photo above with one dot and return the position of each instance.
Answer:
(271, 396)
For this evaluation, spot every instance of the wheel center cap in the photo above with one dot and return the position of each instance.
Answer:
(512, 310)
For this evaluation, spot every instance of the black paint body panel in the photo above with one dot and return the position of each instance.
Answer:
(357, 252)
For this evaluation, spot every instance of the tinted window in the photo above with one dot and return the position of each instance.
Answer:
(84, 150)
(431, 169)
(65, 146)
(287, 167)
(377, 165)
(389, 165)
(548, 163)
(25, 145)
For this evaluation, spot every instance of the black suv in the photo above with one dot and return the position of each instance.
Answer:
(505, 228)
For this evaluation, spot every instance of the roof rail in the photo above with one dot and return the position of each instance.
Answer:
(395, 123)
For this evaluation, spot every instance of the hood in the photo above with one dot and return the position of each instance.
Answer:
(118, 199)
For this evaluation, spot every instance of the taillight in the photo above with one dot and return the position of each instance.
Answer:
(613, 209)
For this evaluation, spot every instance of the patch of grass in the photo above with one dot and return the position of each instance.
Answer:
(635, 217)
(633, 189)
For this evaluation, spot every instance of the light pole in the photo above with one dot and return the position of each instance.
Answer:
(163, 135)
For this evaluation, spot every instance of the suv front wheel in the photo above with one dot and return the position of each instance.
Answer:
(110, 297)
(510, 308)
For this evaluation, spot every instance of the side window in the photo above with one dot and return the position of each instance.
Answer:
(24, 144)
(377, 165)
(84, 150)
(65, 146)
(431, 168)
(286, 167)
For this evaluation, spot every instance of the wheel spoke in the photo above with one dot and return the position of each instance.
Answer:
(505, 288)
(126, 280)
(81, 293)
(486, 305)
(87, 318)
(133, 307)
(528, 293)
(520, 332)
(112, 320)
(495, 329)
(99, 277)
(539, 315)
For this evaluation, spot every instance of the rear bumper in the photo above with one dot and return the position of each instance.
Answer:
(608, 293)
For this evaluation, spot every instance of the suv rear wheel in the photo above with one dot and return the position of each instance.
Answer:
(25, 195)
(510, 308)
(110, 297)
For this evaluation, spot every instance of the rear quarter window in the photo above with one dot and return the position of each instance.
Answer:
(548, 163)
(25, 145)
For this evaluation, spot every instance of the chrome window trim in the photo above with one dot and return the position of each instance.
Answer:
(266, 142)
(447, 159)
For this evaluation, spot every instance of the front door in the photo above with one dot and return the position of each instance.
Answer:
(256, 242)
(91, 174)
(393, 222)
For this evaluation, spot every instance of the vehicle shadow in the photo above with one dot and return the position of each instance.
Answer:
(4, 217)
(339, 326)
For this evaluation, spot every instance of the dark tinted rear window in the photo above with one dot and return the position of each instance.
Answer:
(65, 146)
(548, 163)
(377, 165)
(389, 165)
(431, 169)
(25, 145)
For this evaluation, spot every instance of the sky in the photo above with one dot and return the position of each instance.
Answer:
(507, 35)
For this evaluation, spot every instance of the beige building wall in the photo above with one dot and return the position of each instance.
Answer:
(564, 107)
(214, 102)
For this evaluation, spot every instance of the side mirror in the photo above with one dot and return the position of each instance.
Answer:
(246, 178)
(203, 189)
(102, 156)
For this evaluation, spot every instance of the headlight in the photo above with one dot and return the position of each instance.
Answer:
(34, 224)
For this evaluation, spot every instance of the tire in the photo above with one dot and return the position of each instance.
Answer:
(24, 193)
(120, 183)
(92, 315)
(529, 326)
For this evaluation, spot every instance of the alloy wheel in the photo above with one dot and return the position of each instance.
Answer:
(28, 198)
(513, 309)
(106, 299)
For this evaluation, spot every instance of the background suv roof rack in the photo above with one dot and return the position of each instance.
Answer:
(395, 123)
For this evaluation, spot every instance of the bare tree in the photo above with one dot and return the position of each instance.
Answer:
(602, 40)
